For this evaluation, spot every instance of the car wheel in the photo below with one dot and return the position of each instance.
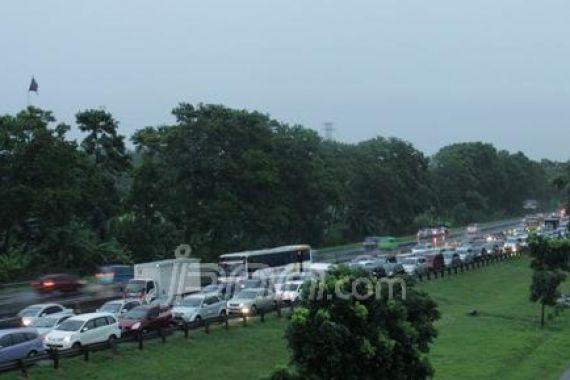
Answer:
(76, 346)
(198, 319)
(254, 310)
(32, 353)
(111, 339)
(222, 313)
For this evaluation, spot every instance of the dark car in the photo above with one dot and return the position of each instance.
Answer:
(145, 318)
(57, 283)
(435, 262)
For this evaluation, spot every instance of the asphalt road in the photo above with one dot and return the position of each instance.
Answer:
(12, 302)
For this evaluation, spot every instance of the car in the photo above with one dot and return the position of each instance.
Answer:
(451, 258)
(145, 318)
(83, 330)
(512, 246)
(163, 301)
(119, 307)
(466, 253)
(198, 307)
(434, 262)
(290, 291)
(29, 314)
(251, 301)
(46, 324)
(19, 343)
(370, 264)
(225, 290)
(57, 283)
(253, 283)
(391, 266)
(388, 243)
(414, 265)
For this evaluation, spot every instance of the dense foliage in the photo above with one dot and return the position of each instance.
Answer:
(550, 264)
(225, 180)
(341, 333)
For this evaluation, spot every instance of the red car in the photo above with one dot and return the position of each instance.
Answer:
(145, 318)
(57, 282)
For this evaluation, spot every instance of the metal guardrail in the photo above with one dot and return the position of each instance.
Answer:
(140, 337)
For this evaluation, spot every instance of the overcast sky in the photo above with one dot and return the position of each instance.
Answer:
(431, 72)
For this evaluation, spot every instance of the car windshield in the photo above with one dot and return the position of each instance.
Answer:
(247, 295)
(135, 314)
(111, 307)
(70, 325)
(191, 302)
(409, 262)
(45, 322)
(30, 312)
(291, 287)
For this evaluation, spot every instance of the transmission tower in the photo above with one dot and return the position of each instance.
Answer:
(328, 129)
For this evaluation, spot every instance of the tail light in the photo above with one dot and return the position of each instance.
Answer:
(48, 284)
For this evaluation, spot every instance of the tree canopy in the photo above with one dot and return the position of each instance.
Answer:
(225, 180)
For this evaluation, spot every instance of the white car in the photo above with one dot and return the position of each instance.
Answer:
(31, 313)
(82, 330)
(45, 324)
(289, 291)
(415, 265)
(198, 307)
(119, 307)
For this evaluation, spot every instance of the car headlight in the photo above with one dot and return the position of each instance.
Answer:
(67, 339)
(26, 321)
(245, 310)
(136, 326)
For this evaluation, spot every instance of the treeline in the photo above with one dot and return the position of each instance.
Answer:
(226, 180)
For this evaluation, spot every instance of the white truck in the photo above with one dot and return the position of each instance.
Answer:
(164, 280)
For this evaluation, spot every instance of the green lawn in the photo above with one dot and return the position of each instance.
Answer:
(503, 342)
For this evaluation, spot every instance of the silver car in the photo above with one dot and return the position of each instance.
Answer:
(198, 307)
(251, 301)
(28, 315)
(466, 253)
(119, 307)
(46, 324)
(414, 265)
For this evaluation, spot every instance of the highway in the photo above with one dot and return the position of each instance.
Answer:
(93, 296)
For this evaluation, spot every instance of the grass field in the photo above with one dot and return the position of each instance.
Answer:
(503, 342)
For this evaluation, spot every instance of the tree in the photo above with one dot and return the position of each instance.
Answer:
(357, 337)
(103, 169)
(551, 258)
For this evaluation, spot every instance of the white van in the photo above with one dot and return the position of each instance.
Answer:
(83, 330)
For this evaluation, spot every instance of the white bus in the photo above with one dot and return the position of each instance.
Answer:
(241, 265)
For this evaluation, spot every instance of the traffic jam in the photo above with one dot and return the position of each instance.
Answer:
(157, 295)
